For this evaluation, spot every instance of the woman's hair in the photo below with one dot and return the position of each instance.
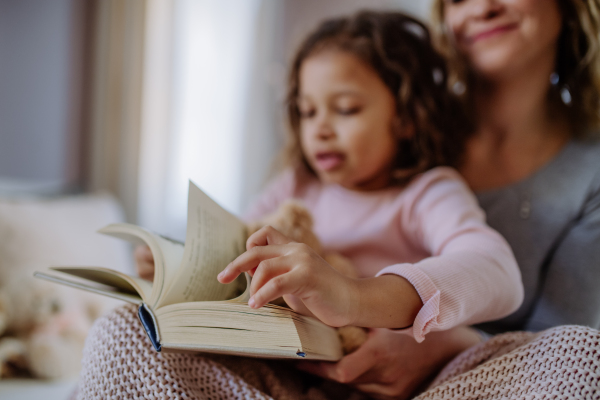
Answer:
(399, 50)
(577, 60)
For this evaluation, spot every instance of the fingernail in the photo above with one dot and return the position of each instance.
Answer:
(251, 302)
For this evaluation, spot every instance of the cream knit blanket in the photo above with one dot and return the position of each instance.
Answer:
(120, 363)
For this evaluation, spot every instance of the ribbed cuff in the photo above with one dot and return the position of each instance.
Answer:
(426, 319)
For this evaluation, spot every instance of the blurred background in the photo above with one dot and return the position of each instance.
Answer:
(135, 97)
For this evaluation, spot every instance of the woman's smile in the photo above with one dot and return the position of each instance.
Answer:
(491, 32)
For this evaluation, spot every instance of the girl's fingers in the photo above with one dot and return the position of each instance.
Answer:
(267, 235)
(266, 271)
(273, 289)
(250, 260)
(144, 262)
(143, 253)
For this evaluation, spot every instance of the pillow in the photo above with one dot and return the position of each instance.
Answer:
(51, 320)
(35, 234)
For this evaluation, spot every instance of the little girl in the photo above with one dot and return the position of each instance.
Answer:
(374, 131)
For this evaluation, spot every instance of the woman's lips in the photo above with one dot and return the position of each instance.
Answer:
(329, 161)
(491, 32)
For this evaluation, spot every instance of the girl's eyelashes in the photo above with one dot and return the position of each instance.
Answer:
(305, 108)
(347, 104)
(345, 111)
(348, 110)
(306, 113)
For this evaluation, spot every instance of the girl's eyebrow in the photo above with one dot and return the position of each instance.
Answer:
(356, 96)
(348, 92)
(336, 94)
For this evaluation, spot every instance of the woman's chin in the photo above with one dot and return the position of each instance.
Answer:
(496, 64)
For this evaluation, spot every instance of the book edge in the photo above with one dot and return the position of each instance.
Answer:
(150, 325)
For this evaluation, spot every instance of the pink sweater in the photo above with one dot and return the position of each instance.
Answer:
(431, 232)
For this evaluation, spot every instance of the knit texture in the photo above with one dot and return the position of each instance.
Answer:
(119, 362)
(559, 363)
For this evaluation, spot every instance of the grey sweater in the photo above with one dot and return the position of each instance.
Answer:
(552, 222)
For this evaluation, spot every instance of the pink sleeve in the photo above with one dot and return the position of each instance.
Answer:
(277, 191)
(472, 275)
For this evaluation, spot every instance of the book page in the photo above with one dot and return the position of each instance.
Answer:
(167, 255)
(234, 328)
(214, 238)
(118, 280)
(120, 293)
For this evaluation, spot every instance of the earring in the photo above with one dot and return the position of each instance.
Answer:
(459, 88)
(438, 76)
(565, 93)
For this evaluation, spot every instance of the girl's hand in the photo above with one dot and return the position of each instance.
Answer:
(281, 267)
(393, 365)
(144, 262)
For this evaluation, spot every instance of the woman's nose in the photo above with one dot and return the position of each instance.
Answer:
(486, 9)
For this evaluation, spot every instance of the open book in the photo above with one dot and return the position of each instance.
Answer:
(186, 308)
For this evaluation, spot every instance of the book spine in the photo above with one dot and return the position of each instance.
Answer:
(150, 325)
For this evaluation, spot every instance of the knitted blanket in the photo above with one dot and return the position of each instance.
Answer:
(119, 362)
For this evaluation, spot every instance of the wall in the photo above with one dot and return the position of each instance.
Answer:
(302, 16)
(38, 85)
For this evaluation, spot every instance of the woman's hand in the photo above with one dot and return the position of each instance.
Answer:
(144, 262)
(281, 267)
(390, 364)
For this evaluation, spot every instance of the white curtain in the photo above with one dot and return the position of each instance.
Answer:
(209, 113)
(211, 90)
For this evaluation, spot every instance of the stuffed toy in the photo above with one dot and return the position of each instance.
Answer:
(43, 327)
(295, 221)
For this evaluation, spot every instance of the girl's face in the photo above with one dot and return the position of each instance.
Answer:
(347, 116)
(500, 37)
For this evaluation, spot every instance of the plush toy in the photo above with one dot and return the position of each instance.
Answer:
(295, 221)
(43, 327)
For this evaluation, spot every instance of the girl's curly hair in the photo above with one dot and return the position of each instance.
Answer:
(399, 50)
(577, 60)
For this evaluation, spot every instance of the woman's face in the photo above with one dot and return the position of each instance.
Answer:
(501, 37)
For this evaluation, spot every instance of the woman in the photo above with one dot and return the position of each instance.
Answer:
(530, 70)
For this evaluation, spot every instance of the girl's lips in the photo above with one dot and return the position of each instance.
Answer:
(329, 161)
